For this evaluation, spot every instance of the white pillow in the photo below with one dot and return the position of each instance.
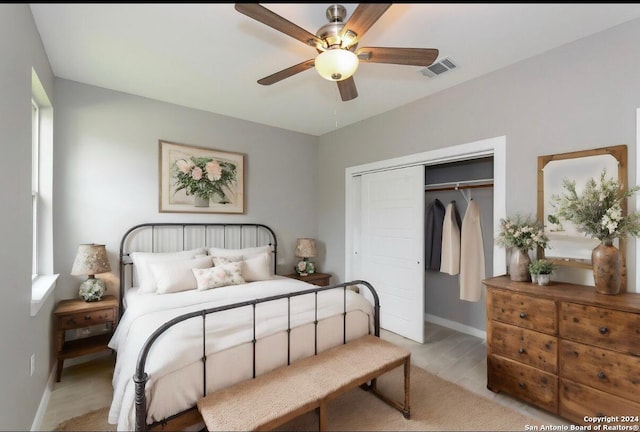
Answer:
(257, 268)
(245, 253)
(219, 276)
(176, 276)
(143, 277)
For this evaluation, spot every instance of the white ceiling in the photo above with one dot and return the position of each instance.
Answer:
(209, 56)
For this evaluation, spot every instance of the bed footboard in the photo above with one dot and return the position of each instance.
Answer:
(140, 378)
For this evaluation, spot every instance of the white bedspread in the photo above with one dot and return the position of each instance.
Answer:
(181, 347)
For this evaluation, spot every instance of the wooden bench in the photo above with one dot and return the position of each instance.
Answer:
(274, 398)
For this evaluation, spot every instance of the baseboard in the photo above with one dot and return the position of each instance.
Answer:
(44, 402)
(462, 328)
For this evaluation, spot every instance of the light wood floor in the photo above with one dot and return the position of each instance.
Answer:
(453, 356)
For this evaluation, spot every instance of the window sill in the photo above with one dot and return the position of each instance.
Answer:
(41, 289)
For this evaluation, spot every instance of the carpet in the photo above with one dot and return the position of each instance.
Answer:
(436, 405)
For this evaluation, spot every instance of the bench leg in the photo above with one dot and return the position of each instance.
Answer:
(322, 416)
(403, 408)
(406, 411)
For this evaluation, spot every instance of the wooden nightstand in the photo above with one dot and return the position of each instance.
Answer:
(79, 314)
(320, 279)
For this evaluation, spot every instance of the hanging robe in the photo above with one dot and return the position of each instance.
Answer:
(450, 256)
(471, 255)
(433, 234)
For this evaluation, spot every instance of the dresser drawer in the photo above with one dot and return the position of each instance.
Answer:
(605, 370)
(578, 401)
(84, 319)
(523, 311)
(606, 328)
(526, 346)
(524, 382)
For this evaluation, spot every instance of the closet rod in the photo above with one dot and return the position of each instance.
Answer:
(470, 184)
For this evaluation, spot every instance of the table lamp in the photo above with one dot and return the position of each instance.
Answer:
(305, 249)
(91, 259)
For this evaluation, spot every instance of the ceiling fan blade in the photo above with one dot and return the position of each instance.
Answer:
(275, 21)
(348, 90)
(365, 15)
(400, 56)
(286, 73)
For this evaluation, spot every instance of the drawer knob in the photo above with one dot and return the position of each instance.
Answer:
(522, 385)
(523, 315)
(521, 351)
(603, 330)
(601, 375)
(87, 317)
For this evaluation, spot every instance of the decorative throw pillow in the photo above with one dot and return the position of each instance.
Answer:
(220, 260)
(176, 276)
(143, 277)
(245, 253)
(219, 276)
(257, 268)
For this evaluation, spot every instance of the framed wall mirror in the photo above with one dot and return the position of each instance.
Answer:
(567, 246)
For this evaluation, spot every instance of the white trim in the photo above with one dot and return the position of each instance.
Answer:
(44, 403)
(492, 146)
(456, 326)
(41, 289)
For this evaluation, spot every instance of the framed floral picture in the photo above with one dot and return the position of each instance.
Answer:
(200, 180)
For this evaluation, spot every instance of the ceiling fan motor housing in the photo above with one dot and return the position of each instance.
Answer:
(330, 32)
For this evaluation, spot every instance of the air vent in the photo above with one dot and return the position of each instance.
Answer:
(439, 68)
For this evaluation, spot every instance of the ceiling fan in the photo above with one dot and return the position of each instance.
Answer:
(337, 44)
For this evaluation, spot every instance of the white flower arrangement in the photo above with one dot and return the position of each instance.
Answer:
(597, 212)
(523, 233)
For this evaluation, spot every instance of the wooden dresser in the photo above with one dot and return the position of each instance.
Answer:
(565, 348)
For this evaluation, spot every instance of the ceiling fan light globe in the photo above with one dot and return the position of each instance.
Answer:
(336, 64)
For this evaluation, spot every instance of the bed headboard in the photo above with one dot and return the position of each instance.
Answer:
(174, 236)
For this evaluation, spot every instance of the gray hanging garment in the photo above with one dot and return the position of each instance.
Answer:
(433, 235)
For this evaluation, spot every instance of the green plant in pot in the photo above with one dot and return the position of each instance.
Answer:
(541, 270)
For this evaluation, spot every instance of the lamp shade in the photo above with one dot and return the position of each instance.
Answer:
(306, 248)
(336, 64)
(91, 259)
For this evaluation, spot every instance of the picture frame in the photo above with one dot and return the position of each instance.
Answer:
(199, 179)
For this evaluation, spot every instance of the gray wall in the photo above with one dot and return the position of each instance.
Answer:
(20, 334)
(582, 95)
(106, 175)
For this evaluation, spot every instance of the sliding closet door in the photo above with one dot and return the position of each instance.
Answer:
(392, 247)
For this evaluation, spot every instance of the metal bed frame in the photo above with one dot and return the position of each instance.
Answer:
(140, 378)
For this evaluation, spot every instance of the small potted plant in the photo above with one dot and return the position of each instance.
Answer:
(534, 271)
(543, 269)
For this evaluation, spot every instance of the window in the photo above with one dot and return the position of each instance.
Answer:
(42, 278)
(35, 167)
